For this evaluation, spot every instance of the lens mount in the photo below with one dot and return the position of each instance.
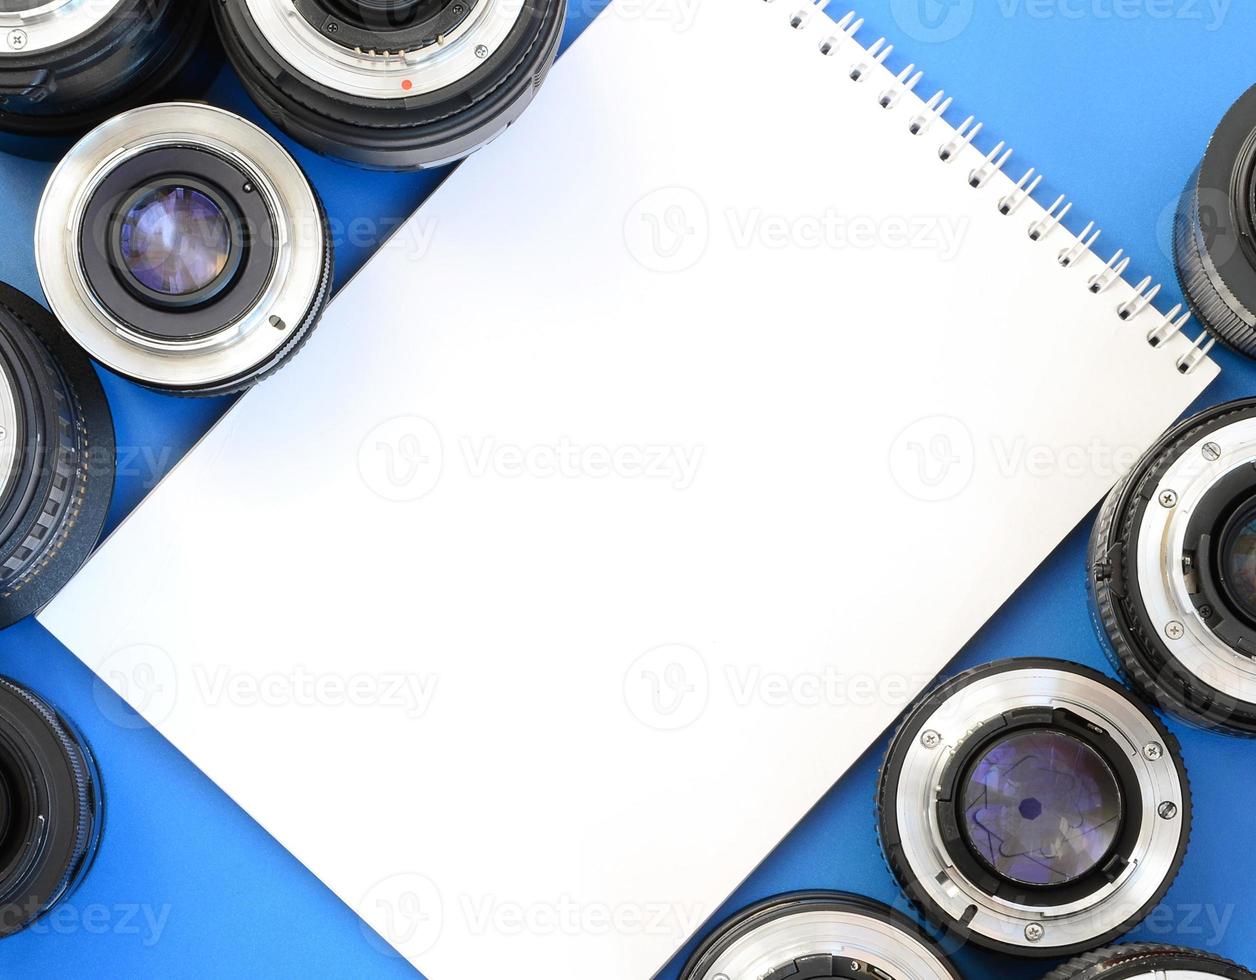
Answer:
(1033, 807)
(66, 65)
(194, 335)
(420, 86)
(56, 457)
(1172, 582)
(1149, 961)
(1215, 231)
(819, 935)
(50, 808)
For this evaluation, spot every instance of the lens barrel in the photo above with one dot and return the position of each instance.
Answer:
(1014, 816)
(50, 808)
(819, 935)
(56, 457)
(1173, 570)
(1149, 961)
(392, 84)
(67, 65)
(183, 247)
(1214, 242)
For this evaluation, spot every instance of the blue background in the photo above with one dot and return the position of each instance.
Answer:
(1113, 99)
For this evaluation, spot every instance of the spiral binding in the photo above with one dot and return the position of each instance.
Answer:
(1145, 293)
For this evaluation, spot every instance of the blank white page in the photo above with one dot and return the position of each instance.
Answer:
(625, 498)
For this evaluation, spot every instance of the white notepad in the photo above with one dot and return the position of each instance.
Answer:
(628, 495)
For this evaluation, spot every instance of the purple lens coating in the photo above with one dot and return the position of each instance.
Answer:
(175, 240)
(1241, 565)
(1042, 807)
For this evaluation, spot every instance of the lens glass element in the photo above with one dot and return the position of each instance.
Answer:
(1238, 558)
(1041, 807)
(175, 240)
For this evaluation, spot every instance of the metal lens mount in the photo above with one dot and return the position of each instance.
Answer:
(1215, 231)
(66, 65)
(819, 935)
(1149, 961)
(1173, 576)
(248, 277)
(50, 808)
(56, 457)
(1033, 807)
(392, 84)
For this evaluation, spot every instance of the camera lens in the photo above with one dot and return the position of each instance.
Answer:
(66, 65)
(195, 258)
(818, 936)
(50, 808)
(1033, 807)
(56, 457)
(1173, 570)
(392, 84)
(1149, 961)
(1214, 248)
(1041, 807)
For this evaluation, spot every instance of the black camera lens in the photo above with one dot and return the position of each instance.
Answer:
(1149, 961)
(56, 457)
(1173, 570)
(819, 935)
(1214, 242)
(50, 808)
(1033, 807)
(196, 260)
(392, 84)
(66, 65)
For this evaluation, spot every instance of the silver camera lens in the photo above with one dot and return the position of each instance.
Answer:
(818, 935)
(183, 247)
(56, 457)
(1149, 961)
(1034, 807)
(1173, 570)
(65, 65)
(392, 84)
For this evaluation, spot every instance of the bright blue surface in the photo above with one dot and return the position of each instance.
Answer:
(1113, 99)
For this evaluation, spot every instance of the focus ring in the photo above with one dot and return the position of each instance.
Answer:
(1146, 956)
